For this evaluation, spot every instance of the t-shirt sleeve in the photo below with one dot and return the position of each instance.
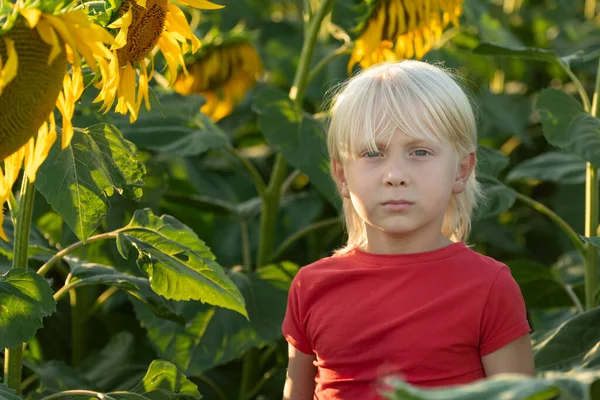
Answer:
(504, 316)
(294, 327)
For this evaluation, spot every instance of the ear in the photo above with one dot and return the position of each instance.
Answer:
(465, 168)
(340, 177)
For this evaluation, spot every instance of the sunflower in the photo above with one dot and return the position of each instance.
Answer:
(223, 71)
(38, 43)
(414, 25)
(141, 26)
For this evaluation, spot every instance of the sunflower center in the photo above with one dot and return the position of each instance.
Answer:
(26, 102)
(147, 25)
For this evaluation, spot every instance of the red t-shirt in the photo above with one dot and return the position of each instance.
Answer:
(426, 318)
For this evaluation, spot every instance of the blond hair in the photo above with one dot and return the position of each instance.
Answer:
(421, 101)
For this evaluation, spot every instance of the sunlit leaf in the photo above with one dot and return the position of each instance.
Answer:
(164, 381)
(78, 181)
(552, 166)
(180, 265)
(25, 298)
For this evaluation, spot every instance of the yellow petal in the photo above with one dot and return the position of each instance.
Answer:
(172, 53)
(8, 72)
(2, 234)
(64, 33)
(126, 95)
(176, 22)
(143, 87)
(201, 4)
(67, 126)
(123, 23)
(32, 15)
(43, 143)
(48, 35)
(12, 167)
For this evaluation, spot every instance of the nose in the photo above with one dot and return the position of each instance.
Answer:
(395, 175)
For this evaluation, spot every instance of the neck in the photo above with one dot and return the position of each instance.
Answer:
(382, 243)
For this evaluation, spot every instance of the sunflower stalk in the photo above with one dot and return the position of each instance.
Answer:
(591, 214)
(272, 194)
(13, 357)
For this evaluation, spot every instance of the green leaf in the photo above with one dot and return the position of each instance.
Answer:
(78, 180)
(56, 376)
(568, 126)
(182, 131)
(552, 166)
(352, 15)
(498, 198)
(549, 386)
(25, 298)
(538, 286)
(490, 161)
(215, 336)
(299, 137)
(38, 246)
(86, 273)
(179, 264)
(574, 344)
(530, 53)
(164, 381)
(8, 394)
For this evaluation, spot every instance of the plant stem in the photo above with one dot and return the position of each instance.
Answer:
(246, 250)
(270, 204)
(270, 200)
(574, 298)
(13, 357)
(78, 342)
(536, 205)
(591, 215)
(302, 232)
(107, 294)
(340, 51)
(13, 207)
(67, 393)
(580, 89)
(59, 256)
(256, 177)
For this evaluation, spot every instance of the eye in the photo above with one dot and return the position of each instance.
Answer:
(371, 153)
(421, 153)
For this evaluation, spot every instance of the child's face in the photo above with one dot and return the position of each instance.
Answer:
(404, 188)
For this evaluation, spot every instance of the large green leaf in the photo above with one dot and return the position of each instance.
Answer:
(299, 137)
(25, 298)
(8, 394)
(490, 162)
(214, 336)
(78, 180)
(574, 344)
(164, 381)
(539, 287)
(352, 15)
(497, 49)
(180, 265)
(86, 273)
(181, 131)
(498, 198)
(552, 166)
(578, 385)
(568, 126)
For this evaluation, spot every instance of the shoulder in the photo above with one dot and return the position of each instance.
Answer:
(482, 265)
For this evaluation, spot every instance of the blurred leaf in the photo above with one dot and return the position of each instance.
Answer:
(56, 376)
(552, 166)
(25, 298)
(498, 198)
(351, 15)
(86, 273)
(504, 115)
(181, 131)
(114, 363)
(38, 246)
(180, 265)
(577, 385)
(8, 394)
(78, 180)
(164, 381)
(530, 53)
(214, 336)
(574, 344)
(539, 287)
(299, 137)
(490, 161)
(568, 126)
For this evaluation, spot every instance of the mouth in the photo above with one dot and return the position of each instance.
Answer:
(397, 205)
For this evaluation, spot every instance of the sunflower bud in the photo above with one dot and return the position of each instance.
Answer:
(223, 72)
(28, 99)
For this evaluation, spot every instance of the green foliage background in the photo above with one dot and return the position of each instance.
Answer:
(129, 297)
